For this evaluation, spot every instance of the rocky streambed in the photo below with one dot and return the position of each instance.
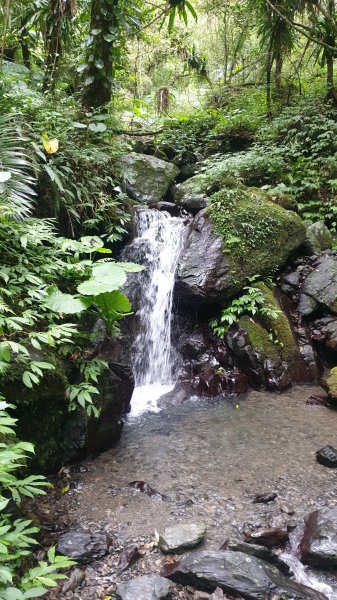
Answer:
(202, 461)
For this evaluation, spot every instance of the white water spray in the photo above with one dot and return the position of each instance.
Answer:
(157, 245)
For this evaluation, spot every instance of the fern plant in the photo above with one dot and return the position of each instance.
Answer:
(16, 179)
(17, 535)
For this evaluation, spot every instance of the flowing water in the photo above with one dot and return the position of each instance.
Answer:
(157, 244)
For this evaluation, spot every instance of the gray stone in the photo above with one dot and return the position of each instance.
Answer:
(318, 546)
(190, 195)
(237, 573)
(320, 287)
(318, 238)
(82, 547)
(259, 552)
(181, 537)
(146, 178)
(147, 587)
(208, 274)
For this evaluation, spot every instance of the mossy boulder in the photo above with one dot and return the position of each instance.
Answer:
(329, 383)
(235, 237)
(60, 436)
(191, 194)
(318, 238)
(146, 179)
(286, 201)
(265, 346)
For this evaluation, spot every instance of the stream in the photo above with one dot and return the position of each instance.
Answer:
(205, 460)
(210, 459)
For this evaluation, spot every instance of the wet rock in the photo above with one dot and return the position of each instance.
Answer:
(201, 595)
(128, 557)
(268, 537)
(169, 207)
(82, 547)
(320, 287)
(147, 489)
(265, 498)
(189, 195)
(75, 580)
(318, 238)
(181, 537)
(237, 574)
(325, 330)
(327, 456)
(146, 178)
(318, 546)
(147, 587)
(288, 509)
(259, 552)
(209, 278)
(192, 345)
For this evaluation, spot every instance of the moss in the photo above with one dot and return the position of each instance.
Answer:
(280, 326)
(259, 236)
(331, 383)
(258, 338)
(284, 200)
(264, 327)
(41, 411)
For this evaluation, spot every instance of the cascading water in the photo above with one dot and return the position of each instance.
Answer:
(157, 245)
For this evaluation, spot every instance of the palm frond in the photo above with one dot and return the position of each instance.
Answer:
(16, 179)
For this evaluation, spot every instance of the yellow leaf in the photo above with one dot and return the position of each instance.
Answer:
(51, 146)
(65, 489)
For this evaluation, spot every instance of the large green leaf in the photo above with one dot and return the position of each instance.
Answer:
(106, 277)
(130, 267)
(64, 303)
(113, 304)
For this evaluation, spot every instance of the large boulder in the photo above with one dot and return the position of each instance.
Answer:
(146, 179)
(237, 574)
(318, 546)
(191, 195)
(320, 287)
(234, 238)
(318, 238)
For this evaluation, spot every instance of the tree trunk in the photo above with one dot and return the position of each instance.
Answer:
(99, 71)
(24, 47)
(54, 44)
(278, 74)
(329, 56)
(269, 66)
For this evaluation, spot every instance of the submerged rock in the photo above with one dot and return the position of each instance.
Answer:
(147, 587)
(181, 537)
(82, 547)
(238, 574)
(318, 546)
(327, 456)
(268, 537)
(242, 237)
(145, 178)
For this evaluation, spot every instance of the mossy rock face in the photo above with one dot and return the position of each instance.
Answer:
(40, 411)
(330, 384)
(286, 201)
(146, 179)
(233, 239)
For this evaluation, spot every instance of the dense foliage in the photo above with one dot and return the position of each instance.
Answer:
(235, 92)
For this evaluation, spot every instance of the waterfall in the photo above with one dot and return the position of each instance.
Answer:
(157, 245)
